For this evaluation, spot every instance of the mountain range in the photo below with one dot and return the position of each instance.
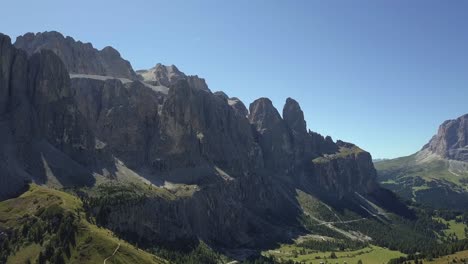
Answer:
(160, 160)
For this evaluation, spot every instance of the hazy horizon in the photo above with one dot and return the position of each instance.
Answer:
(383, 75)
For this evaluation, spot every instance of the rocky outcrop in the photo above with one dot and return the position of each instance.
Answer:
(234, 102)
(451, 141)
(294, 117)
(169, 75)
(238, 106)
(40, 122)
(273, 135)
(78, 57)
(347, 171)
(222, 95)
(162, 75)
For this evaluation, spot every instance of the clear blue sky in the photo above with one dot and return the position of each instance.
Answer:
(381, 74)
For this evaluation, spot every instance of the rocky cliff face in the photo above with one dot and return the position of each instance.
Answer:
(451, 141)
(124, 117)
(246, 165)
(273, 135)
(78, 57)
(347, 171)
(200, 127)
(40, 122)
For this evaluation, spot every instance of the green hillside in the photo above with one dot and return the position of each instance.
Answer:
(45, 225)
(436, 182)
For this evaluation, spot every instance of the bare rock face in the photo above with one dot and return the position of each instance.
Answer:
(197, 82)
(169, 76)
(186, 129)
(451, 141)
(347, 171)
(162, 75)
(307, 144)
(222, 95)
(41, 127)
(124, 117)
(200, 127)
(294, 117)
(273, 134)
(238, 106)
(78, 57)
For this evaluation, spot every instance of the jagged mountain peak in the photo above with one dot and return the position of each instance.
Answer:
(294, 116)
(169, 75)
(239, 106)
(263, 114)
(221, 94)
(451, 140)
(78, 57)
(168, 68)
(162, 74)
(110, 51)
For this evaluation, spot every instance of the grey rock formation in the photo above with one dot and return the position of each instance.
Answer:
(78, 57)
(451, 141)
(169, 76)
(40, 123)
(222, 95)
(294, 117)
(273, 135)
(162, 75)
(238, 106)
(123, 116)
(201, 127)
(349, 170)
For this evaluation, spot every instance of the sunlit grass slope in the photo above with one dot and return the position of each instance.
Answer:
(42, 209)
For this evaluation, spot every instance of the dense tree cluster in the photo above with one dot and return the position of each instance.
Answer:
(332, 245)
(98, 207)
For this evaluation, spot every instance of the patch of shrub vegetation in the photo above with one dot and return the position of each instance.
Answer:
(53, 228)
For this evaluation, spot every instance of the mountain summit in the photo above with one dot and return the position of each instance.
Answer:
(168, 75)
(78, 57)
(451, 141)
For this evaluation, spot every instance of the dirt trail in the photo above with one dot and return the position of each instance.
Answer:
(113, 254)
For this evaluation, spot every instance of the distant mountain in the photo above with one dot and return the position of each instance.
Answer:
(437, 175)
(451, 141)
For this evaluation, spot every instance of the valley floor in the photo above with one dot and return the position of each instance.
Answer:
(371, 254)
